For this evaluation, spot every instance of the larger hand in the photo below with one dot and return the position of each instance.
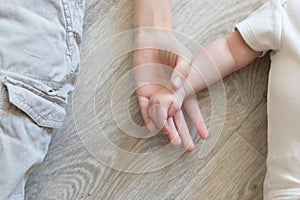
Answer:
(156, 48)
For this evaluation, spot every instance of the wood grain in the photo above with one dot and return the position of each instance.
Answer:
(71, 172)
(229, 177)
(254, 129)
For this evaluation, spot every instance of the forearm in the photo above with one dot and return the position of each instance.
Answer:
(218, 59)
(152, 13)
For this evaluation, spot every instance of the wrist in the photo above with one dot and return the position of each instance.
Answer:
(152, 21)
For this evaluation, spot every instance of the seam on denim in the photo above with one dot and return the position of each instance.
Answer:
(76, 12)
(69, 25)
(2, 92)
(76, 37)
(51, 83)
(4, 104)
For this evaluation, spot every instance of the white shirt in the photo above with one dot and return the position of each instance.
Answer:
(276, 26)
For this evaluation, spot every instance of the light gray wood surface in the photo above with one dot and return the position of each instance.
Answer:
(234, 169)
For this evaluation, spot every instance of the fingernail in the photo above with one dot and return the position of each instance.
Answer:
(177, 82)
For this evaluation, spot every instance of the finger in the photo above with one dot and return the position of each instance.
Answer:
(183, 131)
(177, 102)
(158, 114)
(174, 108)
(170, 128)
(144, 104)
(191, 106)
(181, 70)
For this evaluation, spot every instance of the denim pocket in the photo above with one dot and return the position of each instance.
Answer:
(37, 101)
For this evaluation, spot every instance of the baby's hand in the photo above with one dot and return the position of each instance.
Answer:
(165, 104)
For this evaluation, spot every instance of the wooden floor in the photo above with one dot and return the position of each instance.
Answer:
(234, 169)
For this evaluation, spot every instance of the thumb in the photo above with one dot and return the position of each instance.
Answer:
(181, 71)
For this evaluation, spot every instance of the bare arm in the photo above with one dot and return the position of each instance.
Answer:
(218, 59)
(155, 43)
(152, 13)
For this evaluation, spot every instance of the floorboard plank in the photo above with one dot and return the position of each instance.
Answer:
(229, 177)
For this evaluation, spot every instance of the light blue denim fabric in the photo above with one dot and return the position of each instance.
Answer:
(39, 55)
(39, 63)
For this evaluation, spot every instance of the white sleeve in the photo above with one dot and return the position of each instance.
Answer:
(262, 29)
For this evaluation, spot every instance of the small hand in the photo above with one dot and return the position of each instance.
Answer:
(165, 104)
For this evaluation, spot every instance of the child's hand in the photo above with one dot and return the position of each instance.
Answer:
(165, 104)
